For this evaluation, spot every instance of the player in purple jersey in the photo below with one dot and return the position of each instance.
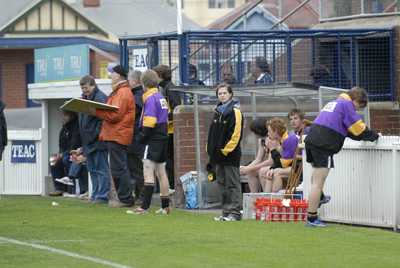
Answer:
(282, 146)
(336, 121)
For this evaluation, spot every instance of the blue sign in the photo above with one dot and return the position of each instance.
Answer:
(23, 152)
(61, 63)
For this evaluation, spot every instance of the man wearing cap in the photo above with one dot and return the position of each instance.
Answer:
(117, 130)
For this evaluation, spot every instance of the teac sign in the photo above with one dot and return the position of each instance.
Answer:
(23, 152)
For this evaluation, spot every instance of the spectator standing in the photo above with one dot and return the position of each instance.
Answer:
(173, 99)
(117, 130)
(3, 129)
(336, 121)
(223, 148)
(136, 149)
(94, 150)
(154, 135)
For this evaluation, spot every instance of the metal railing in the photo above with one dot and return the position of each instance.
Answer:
(340, 58)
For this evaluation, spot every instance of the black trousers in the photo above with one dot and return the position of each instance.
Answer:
(170, 161)
(135, 165)
(119, 171)
(228, 179)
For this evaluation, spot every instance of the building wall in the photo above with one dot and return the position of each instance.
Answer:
(13, 75)
(199, 12)
(98, 64)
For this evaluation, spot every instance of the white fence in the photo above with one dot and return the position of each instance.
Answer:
(23, 178)
(364, 185)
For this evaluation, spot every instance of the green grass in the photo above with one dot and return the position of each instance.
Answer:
(182, 239)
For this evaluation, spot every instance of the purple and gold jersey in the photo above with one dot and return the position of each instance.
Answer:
(289, 144)
(155, 109)
(341, 116)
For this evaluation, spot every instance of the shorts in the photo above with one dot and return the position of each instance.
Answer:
(319, 158)
(156, 151)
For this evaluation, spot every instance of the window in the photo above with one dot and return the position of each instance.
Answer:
(221, 3)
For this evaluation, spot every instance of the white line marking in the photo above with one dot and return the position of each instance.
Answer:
(56, 241)
(63, 252)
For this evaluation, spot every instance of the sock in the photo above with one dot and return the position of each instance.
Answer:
(147, 195)
(164, 201)
(312, 216)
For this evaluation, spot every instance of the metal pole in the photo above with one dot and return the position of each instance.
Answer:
(44, 143)
(339, 62)
(395, 190)
(198, 154)
(179, 16)
(320, 103)
(290, 13)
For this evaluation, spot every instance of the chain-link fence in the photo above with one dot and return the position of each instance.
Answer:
(333, 58)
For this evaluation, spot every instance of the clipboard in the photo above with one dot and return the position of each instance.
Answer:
(82, 106)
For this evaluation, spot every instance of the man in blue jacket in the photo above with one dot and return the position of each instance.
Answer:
(94, 150)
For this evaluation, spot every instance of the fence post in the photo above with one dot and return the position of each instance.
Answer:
(198, 153)
(395, 188)
(239, 61)
(217, 64)
(44, 144)
(183, 58)
(152, 45)
(289, 58)
(339, 62)
(354, 63)
(392, 66)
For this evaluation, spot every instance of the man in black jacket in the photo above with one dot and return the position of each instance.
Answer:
(3, 129)
(136, 149)
(173, 99)
(94, 150)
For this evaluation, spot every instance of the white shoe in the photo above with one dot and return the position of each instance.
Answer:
(69, 195)
(84, 196)
(164, 211)
(171, 191)
(66, 181)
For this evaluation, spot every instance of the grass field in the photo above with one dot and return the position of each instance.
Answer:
(75, 230)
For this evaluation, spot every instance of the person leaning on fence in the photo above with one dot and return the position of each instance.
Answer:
(223, 148)
(3, 129)
(260, 72)
(117, 131)
(136, 149)
(154, 135)
(193, 78)
(227, 74)
(336, 121)
(94, 150)
(173, 99)
(282, 146)
(259, 128)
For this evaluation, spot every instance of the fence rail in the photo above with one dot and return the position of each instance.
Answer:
(22, 178)
(340, 58)
(364, 184)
